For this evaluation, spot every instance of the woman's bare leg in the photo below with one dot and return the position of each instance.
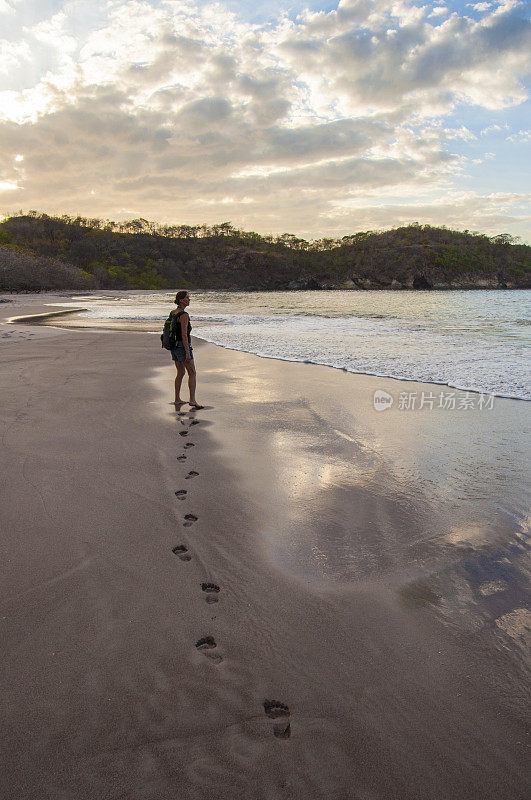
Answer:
(192, 381)
(178, 381)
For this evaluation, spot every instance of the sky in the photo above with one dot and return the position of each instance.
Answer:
(316, 118)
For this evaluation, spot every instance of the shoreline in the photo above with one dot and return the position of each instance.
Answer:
(361, 566)
(369, 374)
(36, 319)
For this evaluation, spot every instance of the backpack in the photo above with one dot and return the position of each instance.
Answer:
(168, 336)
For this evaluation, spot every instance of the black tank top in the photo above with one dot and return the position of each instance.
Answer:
(179, 329)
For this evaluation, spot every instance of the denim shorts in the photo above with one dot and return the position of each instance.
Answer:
(178, 353)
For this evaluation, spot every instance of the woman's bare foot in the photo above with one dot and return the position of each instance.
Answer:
(195, 404)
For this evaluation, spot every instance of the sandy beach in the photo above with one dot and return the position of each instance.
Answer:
(287, 594)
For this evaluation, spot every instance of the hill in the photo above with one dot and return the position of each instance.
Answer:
(38, 251)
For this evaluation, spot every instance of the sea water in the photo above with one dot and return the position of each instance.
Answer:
(471, 340)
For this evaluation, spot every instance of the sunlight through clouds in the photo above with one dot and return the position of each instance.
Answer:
(164, 107)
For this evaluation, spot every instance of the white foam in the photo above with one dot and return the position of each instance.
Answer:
(471, 341)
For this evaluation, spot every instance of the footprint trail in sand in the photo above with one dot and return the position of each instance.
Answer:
(274, 710)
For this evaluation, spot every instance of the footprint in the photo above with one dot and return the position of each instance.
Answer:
(194, 422)
(190, 519)
(181, 413)
(192, 474)
(280, 713)
(182, 552)
(181, 458)
(183, 433)
(181, 493)
(206, 645)
(211, 590)
(188, 444)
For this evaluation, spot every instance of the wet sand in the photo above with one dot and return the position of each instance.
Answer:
(367, 570)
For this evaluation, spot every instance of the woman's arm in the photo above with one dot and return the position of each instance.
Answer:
(183, 319)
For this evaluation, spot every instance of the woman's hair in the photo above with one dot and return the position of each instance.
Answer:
(180, 296)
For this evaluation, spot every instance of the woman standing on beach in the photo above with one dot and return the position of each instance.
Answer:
(182, 353)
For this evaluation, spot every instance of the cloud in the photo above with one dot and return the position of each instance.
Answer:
(12, 54)
(459, 133)
(7, 186)
(520, 136)
(169, 109)
(8, 6)
(388, 65)
(459, 210)
(495, 128)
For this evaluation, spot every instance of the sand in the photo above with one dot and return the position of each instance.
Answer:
(367, 569)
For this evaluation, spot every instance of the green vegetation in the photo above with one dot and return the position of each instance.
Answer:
(38, 251)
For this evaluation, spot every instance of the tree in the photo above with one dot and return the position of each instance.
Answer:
(504, 238)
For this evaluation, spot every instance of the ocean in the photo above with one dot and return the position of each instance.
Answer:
(470, 340)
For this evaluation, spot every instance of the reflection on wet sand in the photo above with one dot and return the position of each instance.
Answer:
(485, 589)
(427, 506)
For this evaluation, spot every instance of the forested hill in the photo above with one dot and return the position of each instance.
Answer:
(42, 252)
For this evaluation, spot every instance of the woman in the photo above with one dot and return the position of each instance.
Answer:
(183, 354)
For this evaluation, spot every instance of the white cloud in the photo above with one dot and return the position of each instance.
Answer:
(8, 186)
(11, 54)
(520, 136)
(459, 210)
(459, 133)
(493, 129)
(8, 6)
